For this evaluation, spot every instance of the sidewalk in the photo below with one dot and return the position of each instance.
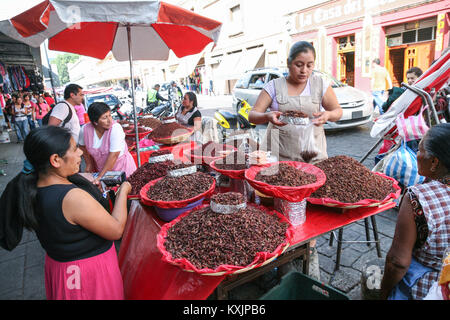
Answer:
(22, 270)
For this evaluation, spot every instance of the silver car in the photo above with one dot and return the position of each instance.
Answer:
(356, 104)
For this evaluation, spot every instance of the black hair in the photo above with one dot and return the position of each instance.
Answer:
(437, 143)
(377, 61)
(192, 97)
(300, 47)
(21, 192)
(96, 110)
(416, 70)
(71, 88)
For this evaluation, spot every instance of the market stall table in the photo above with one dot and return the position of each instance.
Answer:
(180, 151)
(146, 276)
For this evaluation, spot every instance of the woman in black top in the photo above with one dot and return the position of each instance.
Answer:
(75, 230)
(188, 115)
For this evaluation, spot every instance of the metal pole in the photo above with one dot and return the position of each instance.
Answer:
(132, 96)
(426, 96)
(50, 70)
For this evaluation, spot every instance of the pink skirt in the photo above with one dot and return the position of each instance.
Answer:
(94, 278)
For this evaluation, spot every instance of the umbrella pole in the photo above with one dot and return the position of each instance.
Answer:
(132, 97)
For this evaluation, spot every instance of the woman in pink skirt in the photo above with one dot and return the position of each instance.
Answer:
(73, 227)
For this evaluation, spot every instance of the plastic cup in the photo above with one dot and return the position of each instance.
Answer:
(294, 211)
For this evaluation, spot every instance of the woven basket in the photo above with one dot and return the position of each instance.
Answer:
(366, 203)
(174, 140)
(220, 271)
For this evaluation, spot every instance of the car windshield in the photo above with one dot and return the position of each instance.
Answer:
(335, 83)
(109, 99)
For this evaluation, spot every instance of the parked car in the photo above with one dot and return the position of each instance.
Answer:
(110, 99)
(356, 104)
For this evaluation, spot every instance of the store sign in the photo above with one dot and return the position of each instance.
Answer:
(339, 11)
(440, 32)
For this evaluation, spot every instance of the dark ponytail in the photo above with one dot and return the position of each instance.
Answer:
(18, 200)
(437, 143)
(192, 97)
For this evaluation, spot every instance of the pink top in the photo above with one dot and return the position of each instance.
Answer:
(41, 110)
(80, 113)
(125, 162)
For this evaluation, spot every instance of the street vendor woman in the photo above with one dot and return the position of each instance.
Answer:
(303, 91)
(422, 232)
(103, 143)
(189, 116)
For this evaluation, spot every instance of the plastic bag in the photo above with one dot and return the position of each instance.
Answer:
(291, 194)
(261, 258)
(402, 166)
(307, 142)
(172, 204)
(413, 127)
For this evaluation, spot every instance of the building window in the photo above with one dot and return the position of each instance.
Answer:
(425, 34)
(409, 36)
(235, 21)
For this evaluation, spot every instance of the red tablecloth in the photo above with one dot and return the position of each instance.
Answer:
(179, 151)
(146, 276)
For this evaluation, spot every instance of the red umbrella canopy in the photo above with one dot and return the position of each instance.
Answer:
(94, 28)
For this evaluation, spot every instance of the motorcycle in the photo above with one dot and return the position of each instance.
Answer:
(230, 120)
(165, 110)
(125, 112)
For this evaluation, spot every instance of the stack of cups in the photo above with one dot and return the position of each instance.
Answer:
(294, 211)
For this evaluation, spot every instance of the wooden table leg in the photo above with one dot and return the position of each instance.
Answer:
(233, 281)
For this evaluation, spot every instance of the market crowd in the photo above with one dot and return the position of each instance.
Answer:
(77, 227)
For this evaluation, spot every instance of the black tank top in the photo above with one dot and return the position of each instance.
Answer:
(62, 240)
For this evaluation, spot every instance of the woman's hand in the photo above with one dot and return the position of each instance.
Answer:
(96, 182)
(320, 118)
(274, 117)
(125, 187)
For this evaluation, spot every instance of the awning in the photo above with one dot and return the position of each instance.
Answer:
(187, 65)
(250, 60)
(228, 64)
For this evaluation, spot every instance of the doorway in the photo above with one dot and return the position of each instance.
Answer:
(347, 68)
(396, 66)
(346, 59)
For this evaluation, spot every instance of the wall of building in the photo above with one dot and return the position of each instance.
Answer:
(378, 29)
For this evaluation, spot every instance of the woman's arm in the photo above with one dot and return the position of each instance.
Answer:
(399, 256)
(33, 111)
(198, 124)
(80, 208)
(258, 113)
(88, 159)
(333, 111)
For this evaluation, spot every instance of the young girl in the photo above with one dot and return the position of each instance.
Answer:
(42, 109)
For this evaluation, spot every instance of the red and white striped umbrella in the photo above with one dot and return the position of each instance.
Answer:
(96, 27)
(131, 29)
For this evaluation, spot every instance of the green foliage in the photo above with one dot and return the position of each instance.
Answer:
(61, 62)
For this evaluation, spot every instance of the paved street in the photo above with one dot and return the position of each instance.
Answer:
(22, 270)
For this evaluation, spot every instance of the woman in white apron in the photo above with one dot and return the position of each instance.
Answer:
(303, 91)
(189, 116)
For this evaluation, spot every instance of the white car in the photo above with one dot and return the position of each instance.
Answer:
(356, 104)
